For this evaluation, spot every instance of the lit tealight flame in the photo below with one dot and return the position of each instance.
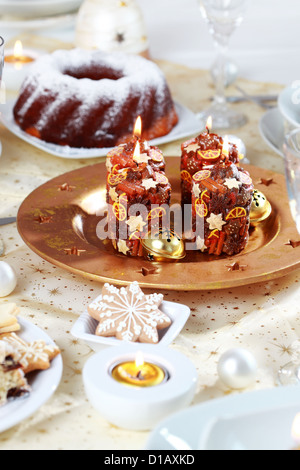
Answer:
(138, 128)
(209, 124)
(225, 150)
(18, 50)
(296, 429)
(139, 360)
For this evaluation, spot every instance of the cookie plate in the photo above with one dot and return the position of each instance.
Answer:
(85, 327)
(60, 225)
(43, 383)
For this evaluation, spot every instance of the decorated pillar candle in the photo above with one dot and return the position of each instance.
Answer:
(137, 190)
(221, 203)
(201, 153)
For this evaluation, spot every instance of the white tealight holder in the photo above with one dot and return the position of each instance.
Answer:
(139, 408)
(15, 72)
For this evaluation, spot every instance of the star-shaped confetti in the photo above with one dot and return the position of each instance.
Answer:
(122, 247)
(236, 266)
(129, 314)
(136, 223)
(232, 183)
(149, 183)
(74, 251)
(215, 222)
(293, 243)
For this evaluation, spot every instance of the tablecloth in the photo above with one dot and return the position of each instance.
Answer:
(263, 318)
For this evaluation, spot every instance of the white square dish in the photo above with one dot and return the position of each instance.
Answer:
(85, 327)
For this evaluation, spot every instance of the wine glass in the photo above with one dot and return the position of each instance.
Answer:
(290, 373)
(223, 17)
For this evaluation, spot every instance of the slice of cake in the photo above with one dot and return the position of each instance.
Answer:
(13, 383)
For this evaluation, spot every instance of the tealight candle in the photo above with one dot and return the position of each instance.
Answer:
(17, 63)
(139, 373)
(137, 395)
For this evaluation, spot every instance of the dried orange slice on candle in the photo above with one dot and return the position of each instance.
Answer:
(156, 156)
(214, 234)
(245, 179)
(201, 175)
(156, 213)
(185, 176)
(237, 213)
(201, 208)
(161, 179)
(204, 194)
(209, 154)
(135, 236)
(115, 179)
(119, 211)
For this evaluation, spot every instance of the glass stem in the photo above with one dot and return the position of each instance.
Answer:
(221, 44)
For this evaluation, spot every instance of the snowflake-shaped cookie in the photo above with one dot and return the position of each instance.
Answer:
(129, 314)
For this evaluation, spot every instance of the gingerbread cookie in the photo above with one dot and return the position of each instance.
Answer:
(12, 378)
(36, 355)
(129, 314)
(8, 318)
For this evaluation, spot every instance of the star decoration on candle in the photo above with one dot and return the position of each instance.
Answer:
(136, 223)
(200, 243)
(215, 222)
(232, 183)
(293, 243)
(236, 266)
(129, 314)
(142, 158)
(149, 183)
(113, 194)
(74, 251)
(122, 247)
(196, 190)
(192, 148)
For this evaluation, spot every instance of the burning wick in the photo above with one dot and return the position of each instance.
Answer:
(225, 149)
(209, 125)
(138, 128)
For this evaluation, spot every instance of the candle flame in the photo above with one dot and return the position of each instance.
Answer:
(226, 146)
(18, 49)
(296, 428)
(209, 124)
(137, 151)
(139, 360)
(138, 127)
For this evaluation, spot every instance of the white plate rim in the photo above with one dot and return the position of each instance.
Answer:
(170, 308)
(47, 382)
(39, 23)
(283, 96)
(262, 120)
(183, 430)
(178, 132)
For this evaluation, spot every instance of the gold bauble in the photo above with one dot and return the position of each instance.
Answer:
(163, 245)
(260, 209)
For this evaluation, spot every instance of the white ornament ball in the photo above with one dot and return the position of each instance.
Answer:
(8, 279)
(237, 368)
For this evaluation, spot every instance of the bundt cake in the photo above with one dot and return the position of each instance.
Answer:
(91, 99)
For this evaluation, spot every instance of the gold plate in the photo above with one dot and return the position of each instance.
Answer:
(58, 222)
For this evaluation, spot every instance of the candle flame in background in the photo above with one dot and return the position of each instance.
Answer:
(209, 124)
(137, 151)
(138, 127)
(18, 49)
(226, 146)
(296, 428)
(139, 360)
